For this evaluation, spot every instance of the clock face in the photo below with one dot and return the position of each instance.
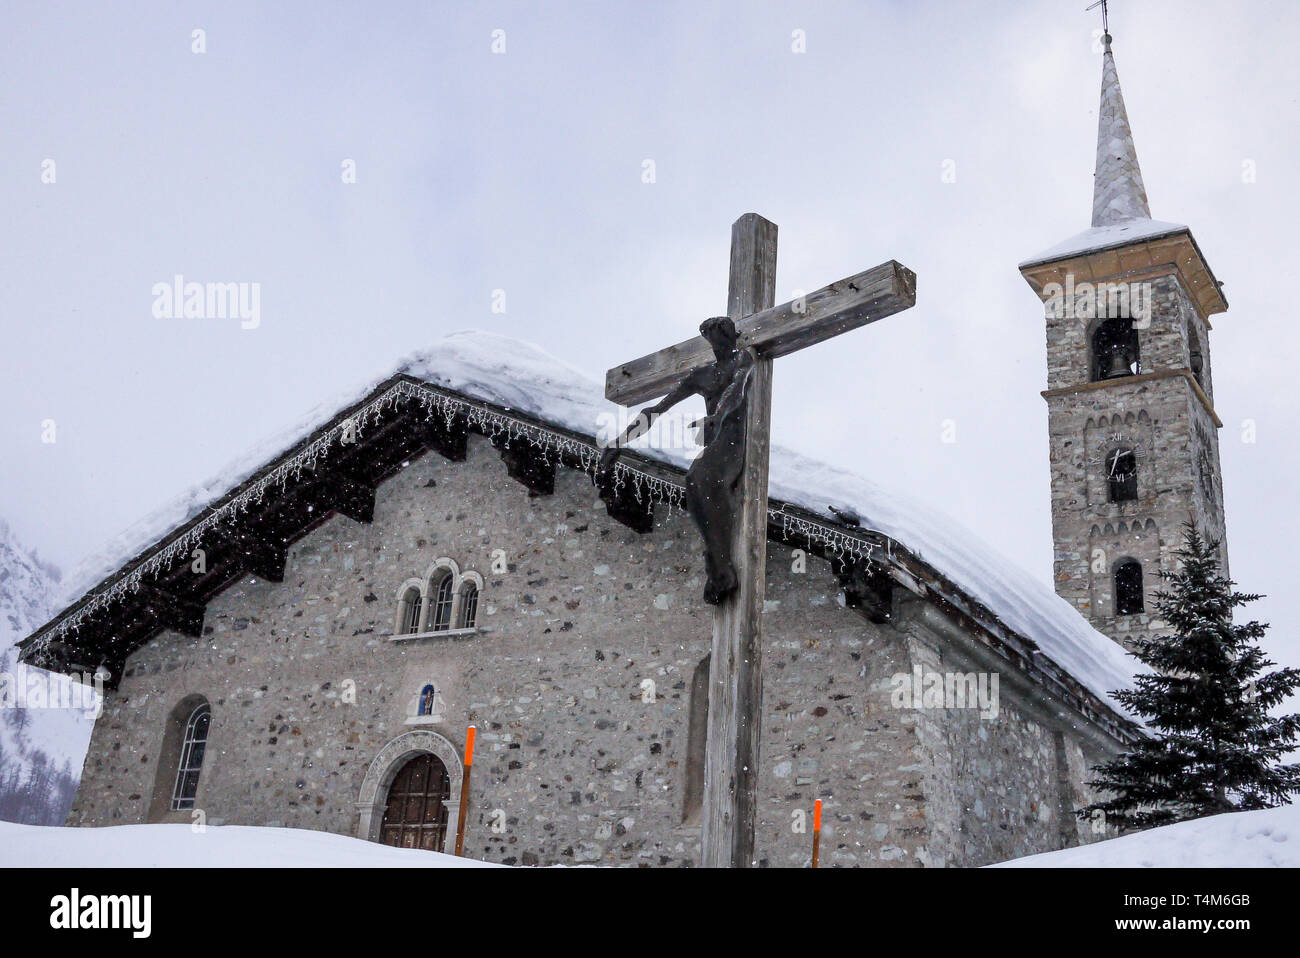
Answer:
(1121, 445)
(1121, 464)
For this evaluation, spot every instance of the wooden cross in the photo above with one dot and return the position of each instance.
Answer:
(735, 668)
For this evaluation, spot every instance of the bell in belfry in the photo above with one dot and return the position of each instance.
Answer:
(1121, 363)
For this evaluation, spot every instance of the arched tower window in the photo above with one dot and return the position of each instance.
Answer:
(411, 605)
(468, 605)
(1128, 588)
(1121, 475)
(427, 695)
(1115, 350)
(440, 620)
(191, 759)
(1195, 358)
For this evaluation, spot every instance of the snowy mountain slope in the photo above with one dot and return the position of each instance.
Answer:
(1268, 838)
(523, 377)
(41, 749)
(218, 846)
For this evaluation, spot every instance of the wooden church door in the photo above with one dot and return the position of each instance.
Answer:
(416, 813)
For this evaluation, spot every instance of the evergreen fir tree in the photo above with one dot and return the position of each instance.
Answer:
(1213, 746)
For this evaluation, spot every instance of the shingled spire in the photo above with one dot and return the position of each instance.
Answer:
(1118, 194)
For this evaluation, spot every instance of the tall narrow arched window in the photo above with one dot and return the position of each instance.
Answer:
(1122, 475)
(468, 605)
(1115, 350)
(1128, 588)
(427, 695)
(440, 620)
(1195, 358)
(411, 606)
(191, 759)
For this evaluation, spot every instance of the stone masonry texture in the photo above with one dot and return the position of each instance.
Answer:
(1177, 446)
(578, 760)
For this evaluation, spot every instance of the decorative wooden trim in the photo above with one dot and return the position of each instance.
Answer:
(175, 613)
(528, 466)
(112, 607)
(622, 505)
(1175, 251)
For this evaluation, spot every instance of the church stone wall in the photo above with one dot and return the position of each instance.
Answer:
(575, 763)
(999, 786)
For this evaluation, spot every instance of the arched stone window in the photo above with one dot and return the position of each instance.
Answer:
(1128, 588)
(1195, 358)
(1121, 475)
(180, 759)
(428, 695)
(444, 597)
(449, 601)
(411, 608)
(468, 605)
(1115, 350)
(412, 604)
(193, 745)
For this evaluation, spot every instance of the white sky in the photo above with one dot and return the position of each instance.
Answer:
(523, 172)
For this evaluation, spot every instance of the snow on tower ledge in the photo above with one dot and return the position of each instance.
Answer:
(1124, 240)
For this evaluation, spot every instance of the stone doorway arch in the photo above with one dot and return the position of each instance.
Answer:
(373, 797)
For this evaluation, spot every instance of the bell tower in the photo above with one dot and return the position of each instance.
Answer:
(1130, 400)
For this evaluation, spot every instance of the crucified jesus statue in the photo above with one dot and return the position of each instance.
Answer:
(713, 478)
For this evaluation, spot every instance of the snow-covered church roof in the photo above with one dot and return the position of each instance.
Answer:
(520, 378)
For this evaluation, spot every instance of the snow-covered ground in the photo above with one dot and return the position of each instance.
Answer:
(217, 846)
(1269, 838)
(1263, 839)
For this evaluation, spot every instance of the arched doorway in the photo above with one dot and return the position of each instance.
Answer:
(381, 780)
(415, 814)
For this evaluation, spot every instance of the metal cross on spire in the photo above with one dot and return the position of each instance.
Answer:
(1105, 22)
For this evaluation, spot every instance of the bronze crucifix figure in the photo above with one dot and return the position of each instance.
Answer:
(711, 480)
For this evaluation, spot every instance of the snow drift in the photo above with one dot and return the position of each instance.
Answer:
(1268, 838)
(217, 846)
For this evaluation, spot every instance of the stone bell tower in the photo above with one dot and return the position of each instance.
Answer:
(1131, 420)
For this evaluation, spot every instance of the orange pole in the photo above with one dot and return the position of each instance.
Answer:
(817, 830)
(464, 792)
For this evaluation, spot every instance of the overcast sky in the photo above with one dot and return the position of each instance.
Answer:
(523, 171)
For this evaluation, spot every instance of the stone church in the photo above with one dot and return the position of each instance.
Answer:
(309, 647)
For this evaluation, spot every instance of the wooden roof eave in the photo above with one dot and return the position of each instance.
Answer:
(908, 569)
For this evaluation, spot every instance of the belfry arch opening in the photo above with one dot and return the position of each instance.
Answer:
(1115, 351)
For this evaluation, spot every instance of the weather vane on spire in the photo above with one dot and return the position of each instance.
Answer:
(1105, 23)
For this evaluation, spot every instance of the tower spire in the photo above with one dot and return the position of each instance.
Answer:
(1118, 193)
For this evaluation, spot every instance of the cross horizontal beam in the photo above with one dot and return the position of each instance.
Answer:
(860, 299)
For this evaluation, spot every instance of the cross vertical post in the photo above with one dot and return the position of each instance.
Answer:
(735, 665)
(724, 358)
